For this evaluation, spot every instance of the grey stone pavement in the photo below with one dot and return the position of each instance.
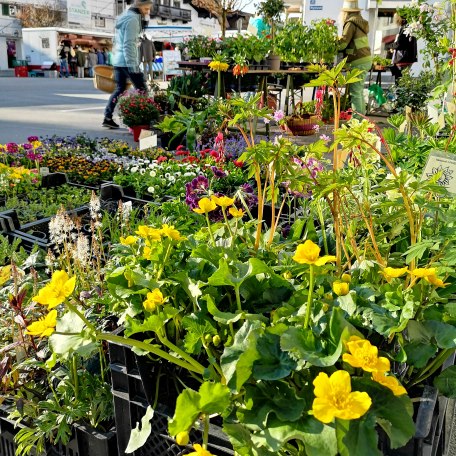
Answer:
(47, 107)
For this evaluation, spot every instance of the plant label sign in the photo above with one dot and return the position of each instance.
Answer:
(147, 141)
(443, 164)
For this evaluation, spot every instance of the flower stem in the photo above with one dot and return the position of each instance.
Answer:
(74, 369)
(227, 223)
(209, 228)
(238, 298)
(309, 297)
(206, 431)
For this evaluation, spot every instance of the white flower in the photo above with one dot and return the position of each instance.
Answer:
(134, 169)
(81, 249)
(146, 161)
(152, 174)
(126, 210)
(142, 171)
(151, 189)
(94, 206)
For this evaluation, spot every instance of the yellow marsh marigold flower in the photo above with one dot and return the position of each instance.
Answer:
(147, 252)
(222, 201)
(171, 232)
(309, 253)
(340, 288)
(205, 206)
(423, 272)
(393, 273)
(434, 280)
(154, 299)
(235, 212)
(200, 451)
(365, 355)
(147, 232)
(182, 438)
(390, 382)
(5, 274)
(44, 326)
(57, 290)
(218, 66)
(129, 240)
(335, 399)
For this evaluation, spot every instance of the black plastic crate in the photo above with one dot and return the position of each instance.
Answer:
(113, 193)
(56, 179)
(133, 384)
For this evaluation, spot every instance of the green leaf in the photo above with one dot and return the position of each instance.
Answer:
(240, 438)
(318, 439)
(138, 437)
(71, 336)
(357, 437)
(419, 353)
(152, 323)
(214, 398)
(393, 413)
(347, 303)
(197, 327)
(443, 333)
(221, 317)
(274, 364)
(237, 360)
(446, 382)
(186, 413)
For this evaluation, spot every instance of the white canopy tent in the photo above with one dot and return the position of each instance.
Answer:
(170, 33)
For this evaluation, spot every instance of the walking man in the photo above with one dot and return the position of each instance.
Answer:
(126, 55)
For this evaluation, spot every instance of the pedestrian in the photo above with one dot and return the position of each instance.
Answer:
(355, 44)
(80, 61)
(72, 61)
(126, 55)
(106, 56)
(147, 53)
(93, 61)
(63, 52)
(404, 48)
(100, 57)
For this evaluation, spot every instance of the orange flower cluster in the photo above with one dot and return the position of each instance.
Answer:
(240, 70)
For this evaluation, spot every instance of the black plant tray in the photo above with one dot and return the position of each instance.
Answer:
(133, 379)
(113, 193)
(56, 179)
(84, 442)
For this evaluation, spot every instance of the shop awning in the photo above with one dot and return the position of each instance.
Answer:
(171, 33)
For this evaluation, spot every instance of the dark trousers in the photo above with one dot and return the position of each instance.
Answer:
(121, 76)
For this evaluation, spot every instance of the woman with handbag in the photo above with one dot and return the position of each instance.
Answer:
(404, 49)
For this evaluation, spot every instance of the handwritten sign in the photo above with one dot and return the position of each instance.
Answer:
(443, 164)
(170, 59)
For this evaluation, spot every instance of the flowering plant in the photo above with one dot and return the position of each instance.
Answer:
(138, 108)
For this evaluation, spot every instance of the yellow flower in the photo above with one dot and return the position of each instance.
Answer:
(36, 144)
(171, 232)
(154, 299)
(340, 288)
(390, 382)
(147, 252)
(182, 438)
(222, 201)
(423, 272)
(200, 451)
(129, 240)
(205, 206)
(235, 212)
(5, 274)
(57, 290)
(365, 355)
(435, 281)
(44, 326)
(147, 232)
(346, 278)
(394, 273)
(308, 253)
(218, 66)
(335, 399)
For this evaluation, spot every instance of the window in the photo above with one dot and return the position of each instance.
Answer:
(8, 10)
(177, 4)
(100, 22)
(45, 43)
(166, 3)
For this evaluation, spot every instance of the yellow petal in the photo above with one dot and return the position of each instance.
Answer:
(423, 272)
(68, 288)
(389, 382)
(235, 212)
(325, 259)
(323, 410)
(394, 272)
(322, 385)
(307, 253)
(223, 201)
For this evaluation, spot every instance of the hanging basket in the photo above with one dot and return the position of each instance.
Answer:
(300, 126)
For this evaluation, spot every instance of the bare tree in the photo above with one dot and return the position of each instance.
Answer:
(221, 9)
(45, 14)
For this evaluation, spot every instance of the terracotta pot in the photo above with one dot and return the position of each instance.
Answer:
(136, 130)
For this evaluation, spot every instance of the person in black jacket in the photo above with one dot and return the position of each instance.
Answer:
(404, 50)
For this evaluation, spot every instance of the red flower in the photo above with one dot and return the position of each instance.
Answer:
(161, 159)
(238, 163)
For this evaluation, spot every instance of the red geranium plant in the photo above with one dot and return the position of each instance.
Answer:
(137, 108)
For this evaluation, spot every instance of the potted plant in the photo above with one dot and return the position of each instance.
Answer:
(271, 11)
(380, 63)
(137, 110)
(303, 121)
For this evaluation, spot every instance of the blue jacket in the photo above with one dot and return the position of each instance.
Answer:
(126, 40)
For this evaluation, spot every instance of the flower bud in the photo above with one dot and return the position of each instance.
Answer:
(216, 340)
(346, 278)
(182, 438)
(341, 288)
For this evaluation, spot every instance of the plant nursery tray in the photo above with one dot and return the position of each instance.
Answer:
(130, 403)
(56, 179)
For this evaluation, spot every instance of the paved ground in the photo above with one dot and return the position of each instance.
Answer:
(64, 107)
(46, 107)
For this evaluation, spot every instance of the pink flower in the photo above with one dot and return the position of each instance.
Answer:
(278, 115)
(325, 138)
(266, 120)
(219, 137)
